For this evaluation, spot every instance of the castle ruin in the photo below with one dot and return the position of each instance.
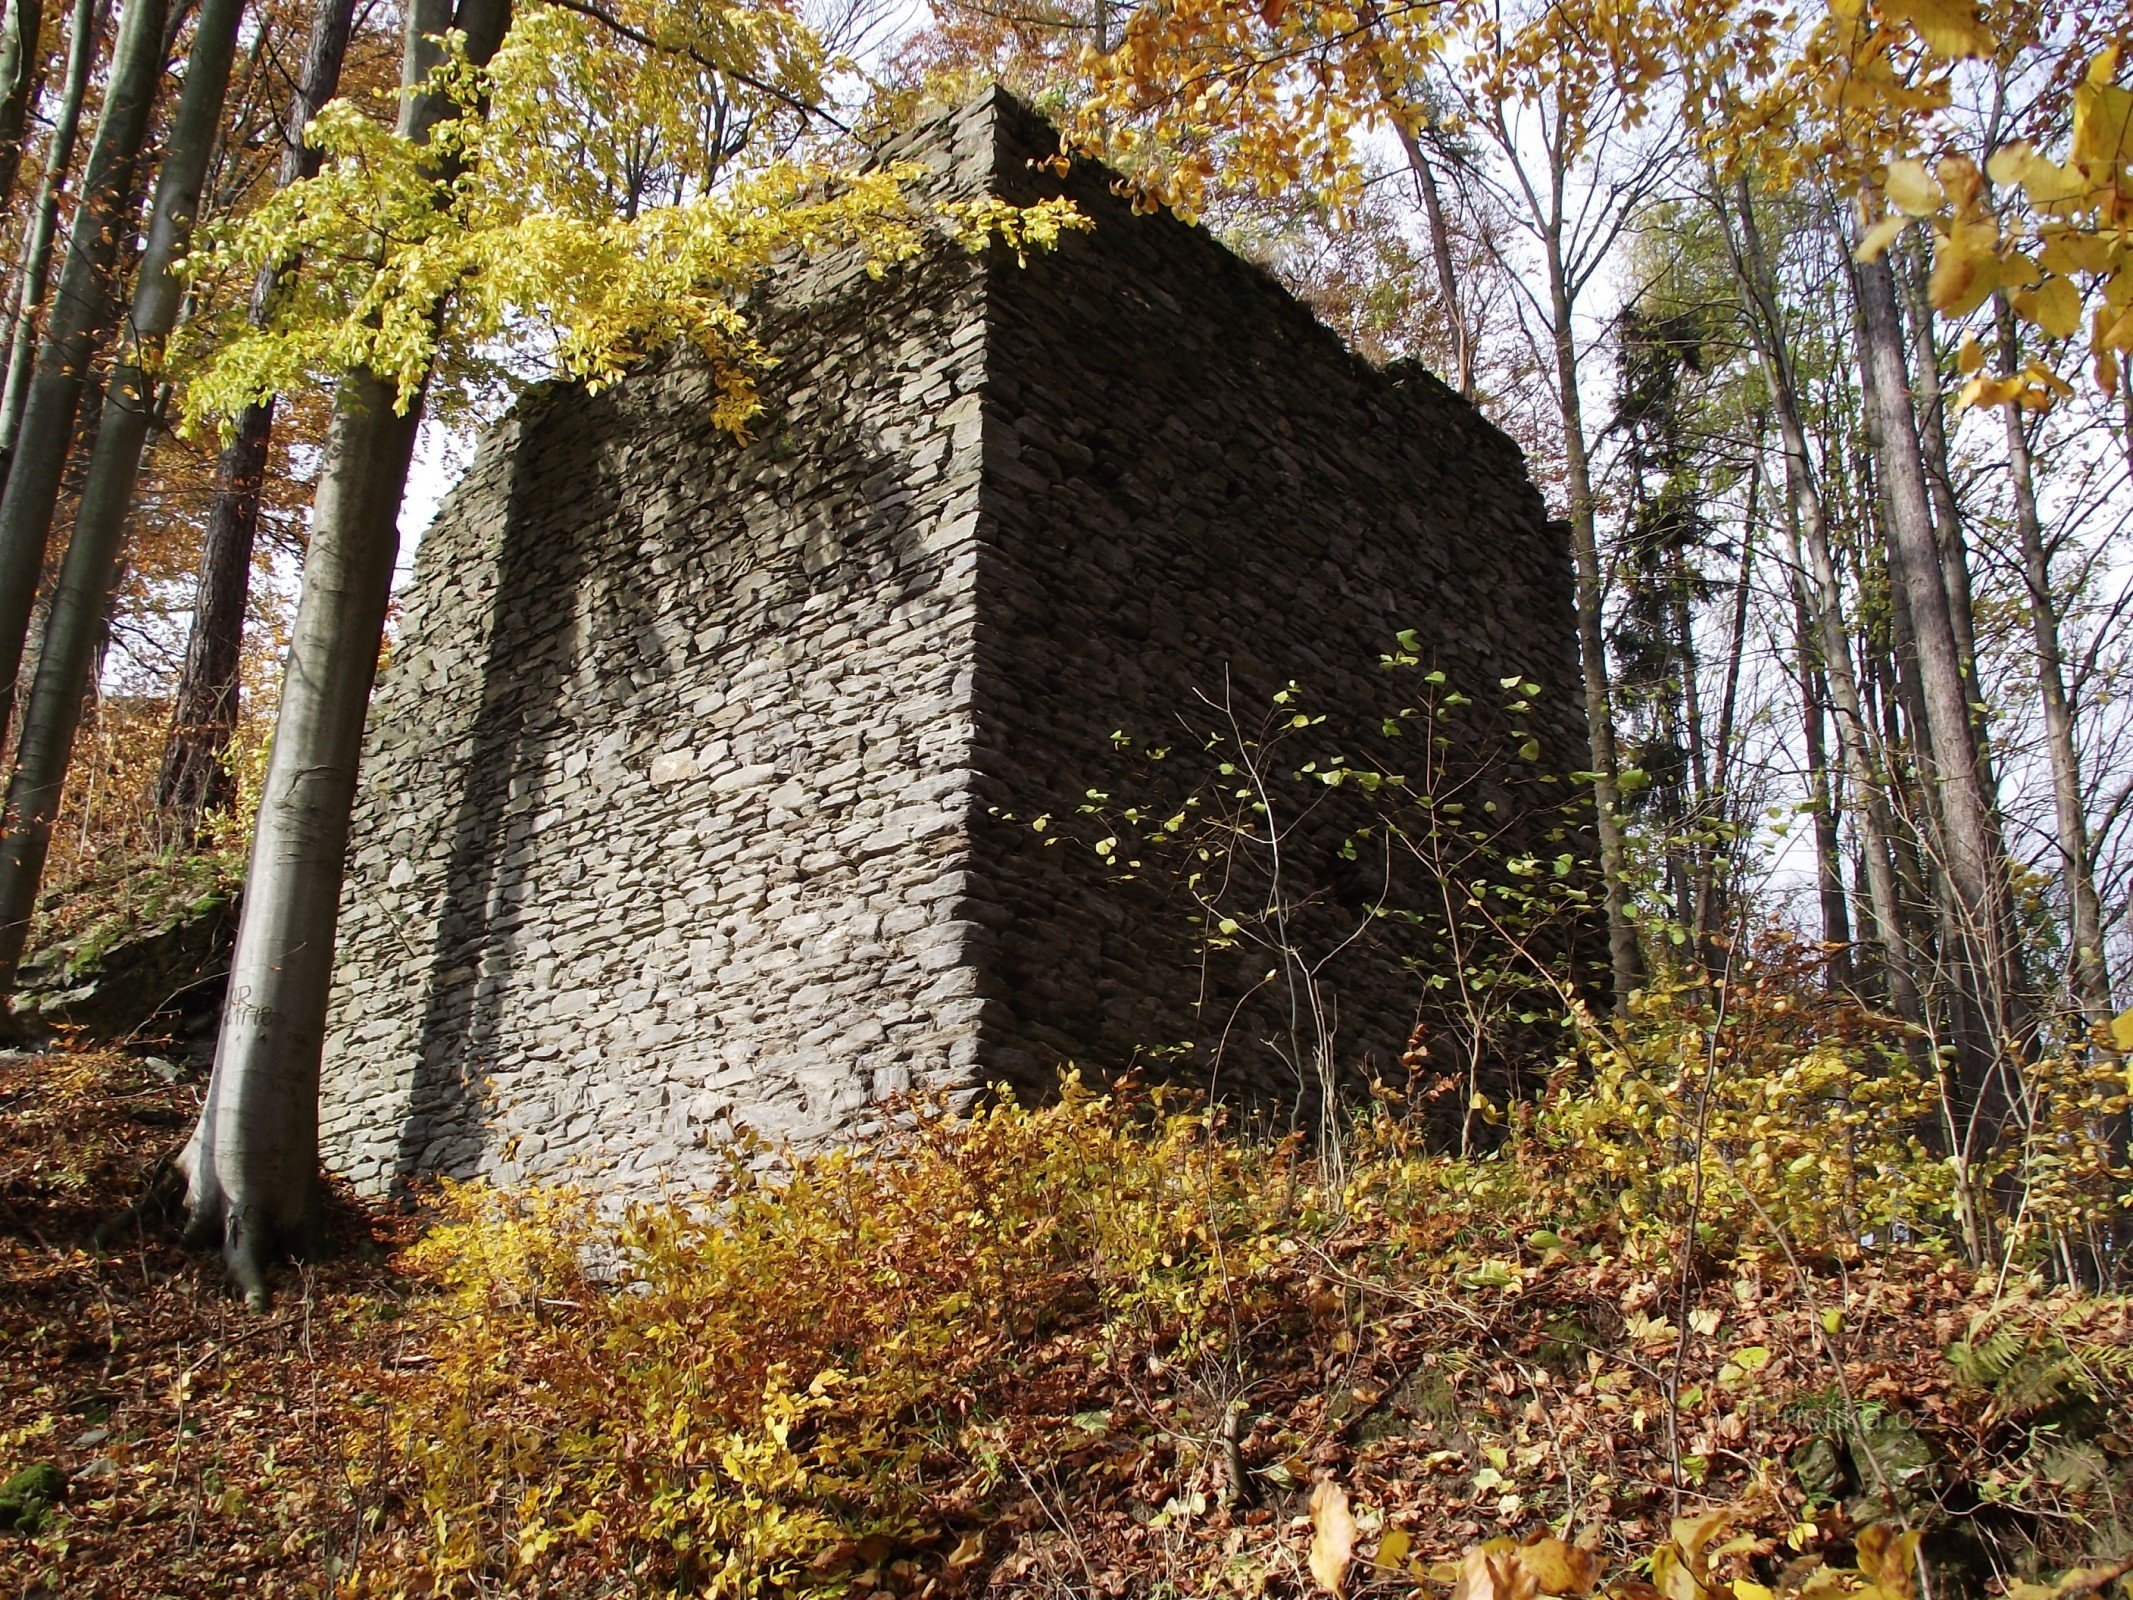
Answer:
(699, 788)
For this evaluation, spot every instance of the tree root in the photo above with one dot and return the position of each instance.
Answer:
(159, 1197)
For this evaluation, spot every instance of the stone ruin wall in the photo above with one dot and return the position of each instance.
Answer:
(1195, 488)
(685, 799)
(659, 807)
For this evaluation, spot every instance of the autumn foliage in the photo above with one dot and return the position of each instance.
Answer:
(1712, 1277)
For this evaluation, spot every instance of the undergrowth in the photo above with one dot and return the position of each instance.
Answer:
(1693, 1325)
(1103, 1346)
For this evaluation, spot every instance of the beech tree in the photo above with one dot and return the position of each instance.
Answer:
(1575, 193)
(21, 52)
(90, 567)
(33, 274)
(251, 1167)
(193, 778)
(420, 247)
(77, 324)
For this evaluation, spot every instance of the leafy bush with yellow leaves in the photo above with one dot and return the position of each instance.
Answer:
(750, 1392)
(828, 1376)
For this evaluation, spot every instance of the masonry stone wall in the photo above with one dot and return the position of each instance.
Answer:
(697, 791)
(1195, 492)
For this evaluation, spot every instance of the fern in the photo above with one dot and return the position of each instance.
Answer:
(2030, 1359)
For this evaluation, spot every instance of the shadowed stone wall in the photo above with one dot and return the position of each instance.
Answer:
(1195, 491)
(685, 798)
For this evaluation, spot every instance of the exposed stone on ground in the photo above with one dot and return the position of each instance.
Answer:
(145, 968)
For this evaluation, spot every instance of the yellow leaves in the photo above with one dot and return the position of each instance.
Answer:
(2071, 252)
(1039, 226)
(1970, 261)
(2103, 124)
(1558, 1568)
(2122, 1032)
(1681, 1568)
(2054, 306)
(1950, 28)
(1880, 236)
(2034, 388)
(403, 274)
(1912, 190)
(1541, 1565)
(2046, 183)
(1888, 1559)
(1332, 1536)
(1392, 1550)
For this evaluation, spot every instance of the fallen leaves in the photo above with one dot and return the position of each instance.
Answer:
(1332, 1536)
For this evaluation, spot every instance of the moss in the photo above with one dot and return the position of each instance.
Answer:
(29, 1495)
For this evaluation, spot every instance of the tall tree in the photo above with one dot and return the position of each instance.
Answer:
(21, 55)
(1568, 264)
(2088, 979)
(79, 319)
(90, 568)
(1821, 589)
(251, 1167)
(194, 779)
(446, 235)
(1967, 845)
(33, 276)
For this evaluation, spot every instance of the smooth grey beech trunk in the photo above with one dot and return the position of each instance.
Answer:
(36, 271)
(79, 319)
(251, 1167)
(1969, 854)
(194, 779)
(1822, 595)
(90, 568)
(2088, 978)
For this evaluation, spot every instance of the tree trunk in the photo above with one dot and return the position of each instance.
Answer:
(75, 626)
(194, 780)
(1624, 958)
(1965, 829)
(252, 1165)
(1401, 115)
(1715, 877)
(2088, 979)
(1829, 865)
(20, 27)
(1440, 248)
(35, 275)
(80, 315)
(1940, 481)
(1824, 594)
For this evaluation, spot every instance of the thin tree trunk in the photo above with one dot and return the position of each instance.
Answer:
(35, 276)
(1940, 481)
(1966, 829)
(1807, 518)
(194, 779)
(76, 623)
(1440, 248)
(1624, 958)
(20, 27)
(1829, 865)
(80, 317)
(252, 1165)
(2088, 979)
(1401, 115)
(1714, 886)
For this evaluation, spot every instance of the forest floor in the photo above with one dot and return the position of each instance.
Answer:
(200, 1450)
